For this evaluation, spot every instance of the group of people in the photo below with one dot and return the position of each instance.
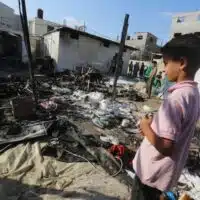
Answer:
(135, 70)
(149, 74)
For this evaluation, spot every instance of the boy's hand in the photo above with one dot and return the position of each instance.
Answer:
(163, 145)
(144, 123)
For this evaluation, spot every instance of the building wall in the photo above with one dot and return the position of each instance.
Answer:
(151, 43)
(126, 58)
(185, 23)
(39, 27)
(51, 45)
(6, 10)
(145, 42)
(74, 52)
(17, 23)
(84, 50)
(8, 19)
(136, 42)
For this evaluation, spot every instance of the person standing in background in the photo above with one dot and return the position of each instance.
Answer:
(136, 69)
(141, 73)
(147, 72)
(113, 64)
(157, 84)
(151, 79)
(130, 68)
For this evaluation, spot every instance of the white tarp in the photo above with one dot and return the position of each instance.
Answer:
(26, 174)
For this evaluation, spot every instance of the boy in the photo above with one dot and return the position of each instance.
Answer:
(162, 155)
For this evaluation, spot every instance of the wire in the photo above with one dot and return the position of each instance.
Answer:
(113, 175)
(76, 155)
(120, 169)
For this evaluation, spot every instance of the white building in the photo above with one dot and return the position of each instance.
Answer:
(9, 21)
(146, 42)
(143, 40)
(183, 23)
(69, 48)
(39, 26)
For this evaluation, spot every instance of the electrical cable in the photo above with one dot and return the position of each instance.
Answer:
(76, 155)
(120, 169)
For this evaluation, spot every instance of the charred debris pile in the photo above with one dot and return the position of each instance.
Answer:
(66, 102)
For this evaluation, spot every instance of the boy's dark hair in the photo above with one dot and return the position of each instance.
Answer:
(187, 46)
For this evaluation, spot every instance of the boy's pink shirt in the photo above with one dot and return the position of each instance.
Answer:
(175, 120)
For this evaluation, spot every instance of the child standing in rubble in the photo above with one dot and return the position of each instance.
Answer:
(162, 155)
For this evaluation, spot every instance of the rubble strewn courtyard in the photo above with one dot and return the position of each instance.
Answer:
(79, 100)
(63, 147)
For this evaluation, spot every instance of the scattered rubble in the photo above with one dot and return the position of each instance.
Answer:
(66, 102)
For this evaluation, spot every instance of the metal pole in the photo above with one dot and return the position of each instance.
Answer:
(28, 46)
(120, 54)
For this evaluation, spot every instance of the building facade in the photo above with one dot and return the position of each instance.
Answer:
(70, 48)
(38, 26)
(10, 34)
(183, 23)
(145, 42)
(9, 21)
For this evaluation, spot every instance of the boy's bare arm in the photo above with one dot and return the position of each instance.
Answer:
(163, 145)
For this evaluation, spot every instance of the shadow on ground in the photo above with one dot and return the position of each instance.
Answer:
(14, 190)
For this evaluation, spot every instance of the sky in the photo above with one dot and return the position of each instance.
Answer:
(105, 17)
